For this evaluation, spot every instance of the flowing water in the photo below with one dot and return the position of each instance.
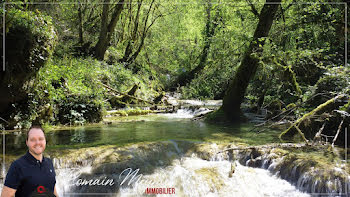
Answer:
(192, 176)
(164, 164)
(188, 175)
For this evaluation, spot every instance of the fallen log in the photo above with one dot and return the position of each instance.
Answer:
(285, 113)
(301, 133)
(309, 115)
(124, 94)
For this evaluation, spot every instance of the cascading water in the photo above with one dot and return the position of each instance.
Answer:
(187, 174)
(188, 113)
(192, 176)
(318, 181)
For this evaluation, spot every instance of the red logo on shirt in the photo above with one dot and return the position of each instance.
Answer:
(41, 189)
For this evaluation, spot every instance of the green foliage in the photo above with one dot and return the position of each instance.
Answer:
(303, 55)
(175, 41)
(210, 84)
(79, 109)
(69, 76)
(30, 38)
(229, 42)
(334, 82)
(297, 55)
(73, 88)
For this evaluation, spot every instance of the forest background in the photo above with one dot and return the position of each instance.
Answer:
(68, 62)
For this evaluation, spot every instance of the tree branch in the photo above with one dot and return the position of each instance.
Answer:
(255, 12)
(336, 135)
(318, 134)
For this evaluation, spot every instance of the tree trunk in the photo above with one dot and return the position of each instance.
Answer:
(107, 29)
(133, 37)
(80, 16)
(100, 47)
(130, 59)
(235, 93)
(210, 27)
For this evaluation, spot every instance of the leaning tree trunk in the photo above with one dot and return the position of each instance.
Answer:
(107, 29)
(235, 93)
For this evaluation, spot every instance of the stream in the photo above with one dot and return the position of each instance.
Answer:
(168, 151)
(192, 176)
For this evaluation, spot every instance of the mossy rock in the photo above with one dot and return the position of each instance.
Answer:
(130, 112)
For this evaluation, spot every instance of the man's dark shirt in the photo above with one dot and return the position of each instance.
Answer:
(27, 173)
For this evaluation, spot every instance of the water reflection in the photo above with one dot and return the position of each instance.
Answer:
(16, 142)
(145, 131)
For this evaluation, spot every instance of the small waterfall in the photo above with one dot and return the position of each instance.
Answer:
(180, 113)
(175, 146)
(301, 173)
(206, 103)
(192, 176)
(187, 113)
